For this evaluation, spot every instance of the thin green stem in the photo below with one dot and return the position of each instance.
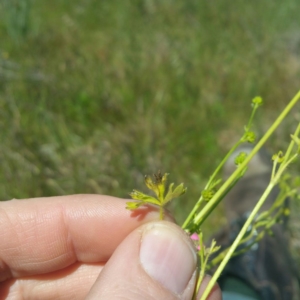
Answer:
(292, 144)
(288, 160)
(251, 118)
(237, 241)
(212, 177)
(283, 166)
(249, 236)
(222, 163)
(274, 169)
(207, 208)
(192, 213)
(219, 167)
(202, 263)
(161, 213)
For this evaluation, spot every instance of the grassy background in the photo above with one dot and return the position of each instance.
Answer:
(95, 94)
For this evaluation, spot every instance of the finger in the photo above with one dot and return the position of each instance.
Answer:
(73, 282)
(47, 234)
(155, 261)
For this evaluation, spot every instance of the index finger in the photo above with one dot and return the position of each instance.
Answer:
(43, 235)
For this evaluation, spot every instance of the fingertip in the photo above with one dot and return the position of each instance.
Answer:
(155, 261)
(168, 256)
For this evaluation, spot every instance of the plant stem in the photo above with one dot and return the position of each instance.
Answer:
(274, 180)
(199, 219)
(251, 118)
(161, 213)
(290, 148)
(237, 241)
(219, 167)
(212, 177)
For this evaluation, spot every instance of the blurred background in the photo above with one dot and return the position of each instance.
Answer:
(95, 94)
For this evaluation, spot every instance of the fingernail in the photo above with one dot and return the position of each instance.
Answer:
(168, 256)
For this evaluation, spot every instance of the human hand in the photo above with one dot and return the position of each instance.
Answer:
(90, 246)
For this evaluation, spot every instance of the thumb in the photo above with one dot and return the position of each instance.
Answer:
(155, 261)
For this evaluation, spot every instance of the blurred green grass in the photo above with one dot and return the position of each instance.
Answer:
(95, 94)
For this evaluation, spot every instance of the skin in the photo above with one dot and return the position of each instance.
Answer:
(78, 247)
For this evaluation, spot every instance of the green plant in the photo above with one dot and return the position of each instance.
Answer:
(213, 193)
(158, 186)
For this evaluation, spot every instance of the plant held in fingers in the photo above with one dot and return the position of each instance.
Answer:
(257, 224)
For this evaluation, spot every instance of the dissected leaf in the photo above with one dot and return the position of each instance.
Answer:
(215, 249)
(158, 186)
(179, 190)
(151, 185)
(133, 205)
(137, 195)
(161, 184)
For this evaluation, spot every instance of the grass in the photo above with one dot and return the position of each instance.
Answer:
(95, 94)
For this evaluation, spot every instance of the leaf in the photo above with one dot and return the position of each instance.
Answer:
(179, 190)
(133, 205)
(151, 185)
(161, 184)
(215, 249)
(137, 195)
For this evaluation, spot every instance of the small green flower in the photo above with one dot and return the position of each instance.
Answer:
(257, 101)
(249, 137)
(207, 194)
(279, 157)
(240, 158)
